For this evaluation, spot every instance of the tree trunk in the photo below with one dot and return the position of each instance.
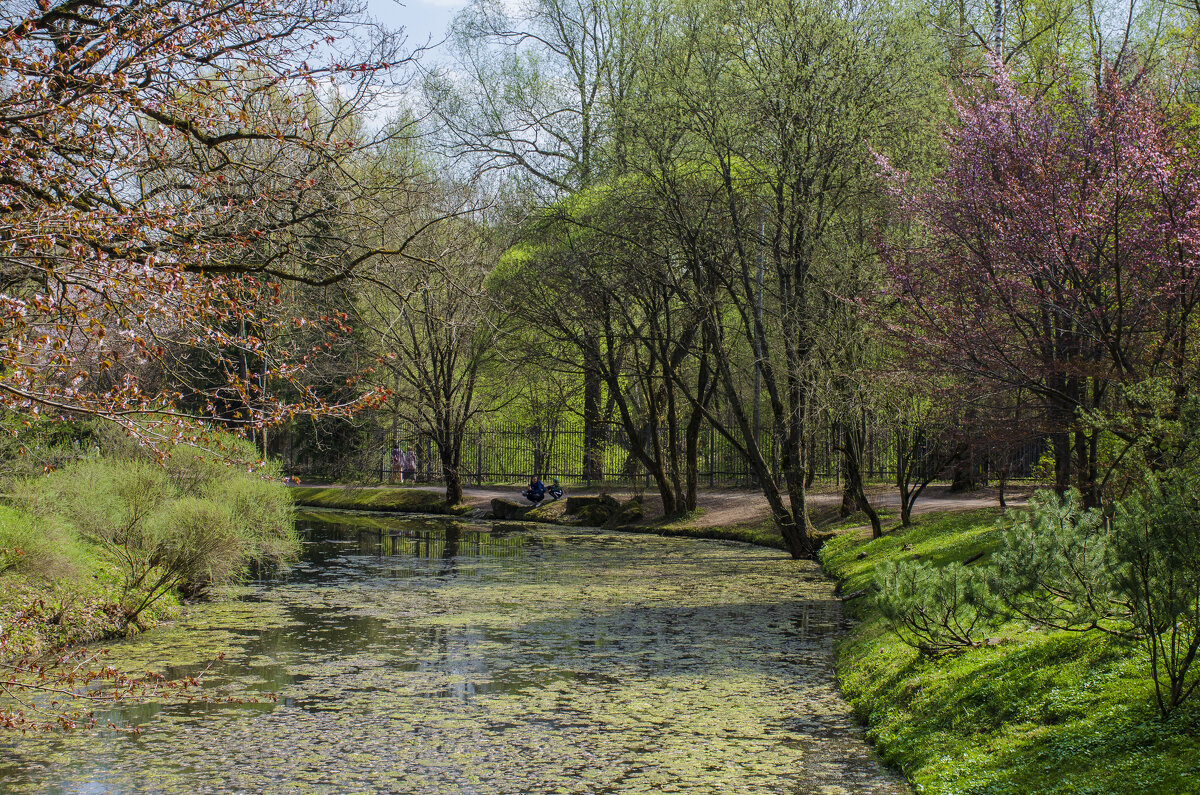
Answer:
(454, 491)
(1060, 443)
(853, 447)
(692, 460)
(593, 465)
(1002, 482)
(450, 453)
(811, 477)
(849, 495)
(964, 471)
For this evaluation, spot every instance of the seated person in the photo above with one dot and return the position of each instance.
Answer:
(536, 491)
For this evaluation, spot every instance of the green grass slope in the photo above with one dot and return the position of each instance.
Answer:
(1031, 711)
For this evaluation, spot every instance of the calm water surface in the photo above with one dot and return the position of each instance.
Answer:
(422, 656)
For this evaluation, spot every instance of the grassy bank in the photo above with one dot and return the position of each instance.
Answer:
(1030, 711)
(350, 498)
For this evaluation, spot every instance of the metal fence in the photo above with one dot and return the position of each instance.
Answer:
(511, 453)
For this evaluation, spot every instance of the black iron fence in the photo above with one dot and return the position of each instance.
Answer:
(511, 453)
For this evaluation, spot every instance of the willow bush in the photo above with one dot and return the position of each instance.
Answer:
(181, 526)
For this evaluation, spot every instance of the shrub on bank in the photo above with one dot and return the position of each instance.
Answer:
(108, 543)
(1136, 577)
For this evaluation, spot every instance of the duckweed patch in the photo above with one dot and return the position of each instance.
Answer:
(409, 658)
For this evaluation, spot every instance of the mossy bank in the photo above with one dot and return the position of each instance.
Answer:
(1027, 711)
(351, 498)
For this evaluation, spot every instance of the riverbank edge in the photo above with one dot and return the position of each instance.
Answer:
(385, 500)
(421, 501)
(1029, 711)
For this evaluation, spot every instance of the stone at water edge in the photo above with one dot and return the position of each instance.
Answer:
(628, 514)
(594, 515)
(507, 509)
(577, 504)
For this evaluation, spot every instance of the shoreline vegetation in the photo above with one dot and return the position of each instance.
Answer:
(96, 546)
(1028, 710)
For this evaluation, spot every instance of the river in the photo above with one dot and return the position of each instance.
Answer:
(438, 656)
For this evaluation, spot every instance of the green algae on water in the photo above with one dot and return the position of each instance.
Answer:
(415, 657)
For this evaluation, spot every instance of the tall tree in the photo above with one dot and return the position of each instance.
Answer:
(435, 326)
(588, 276)
(780, 102)
(537, 93)
(1059, 253)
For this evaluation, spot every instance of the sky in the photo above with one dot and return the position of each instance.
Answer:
(424, 20)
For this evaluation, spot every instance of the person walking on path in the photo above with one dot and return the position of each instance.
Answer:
(395, 460)
(410, 465)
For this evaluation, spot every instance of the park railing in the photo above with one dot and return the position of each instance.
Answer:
(510, 453)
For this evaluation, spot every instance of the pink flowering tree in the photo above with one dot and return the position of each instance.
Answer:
(166, 166)
(1058, 253)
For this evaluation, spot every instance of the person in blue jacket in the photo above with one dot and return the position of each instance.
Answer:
(536, 491)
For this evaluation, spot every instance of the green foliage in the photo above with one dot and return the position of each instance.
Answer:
(31, 448)
(1157, 535)
(42, 549)
(1056, 566)
(934, 609)
(1061, 566)
(1043, 470)
(1151, 429)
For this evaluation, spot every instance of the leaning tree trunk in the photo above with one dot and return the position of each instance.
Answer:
(853, 443)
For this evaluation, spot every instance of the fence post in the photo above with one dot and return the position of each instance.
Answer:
(712, 464)
(479, 457)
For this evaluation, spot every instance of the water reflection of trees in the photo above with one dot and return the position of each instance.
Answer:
(446, 541)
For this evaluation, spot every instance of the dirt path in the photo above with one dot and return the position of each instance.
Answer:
(732, 507)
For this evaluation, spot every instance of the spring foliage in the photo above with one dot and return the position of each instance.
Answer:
(152, 530)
